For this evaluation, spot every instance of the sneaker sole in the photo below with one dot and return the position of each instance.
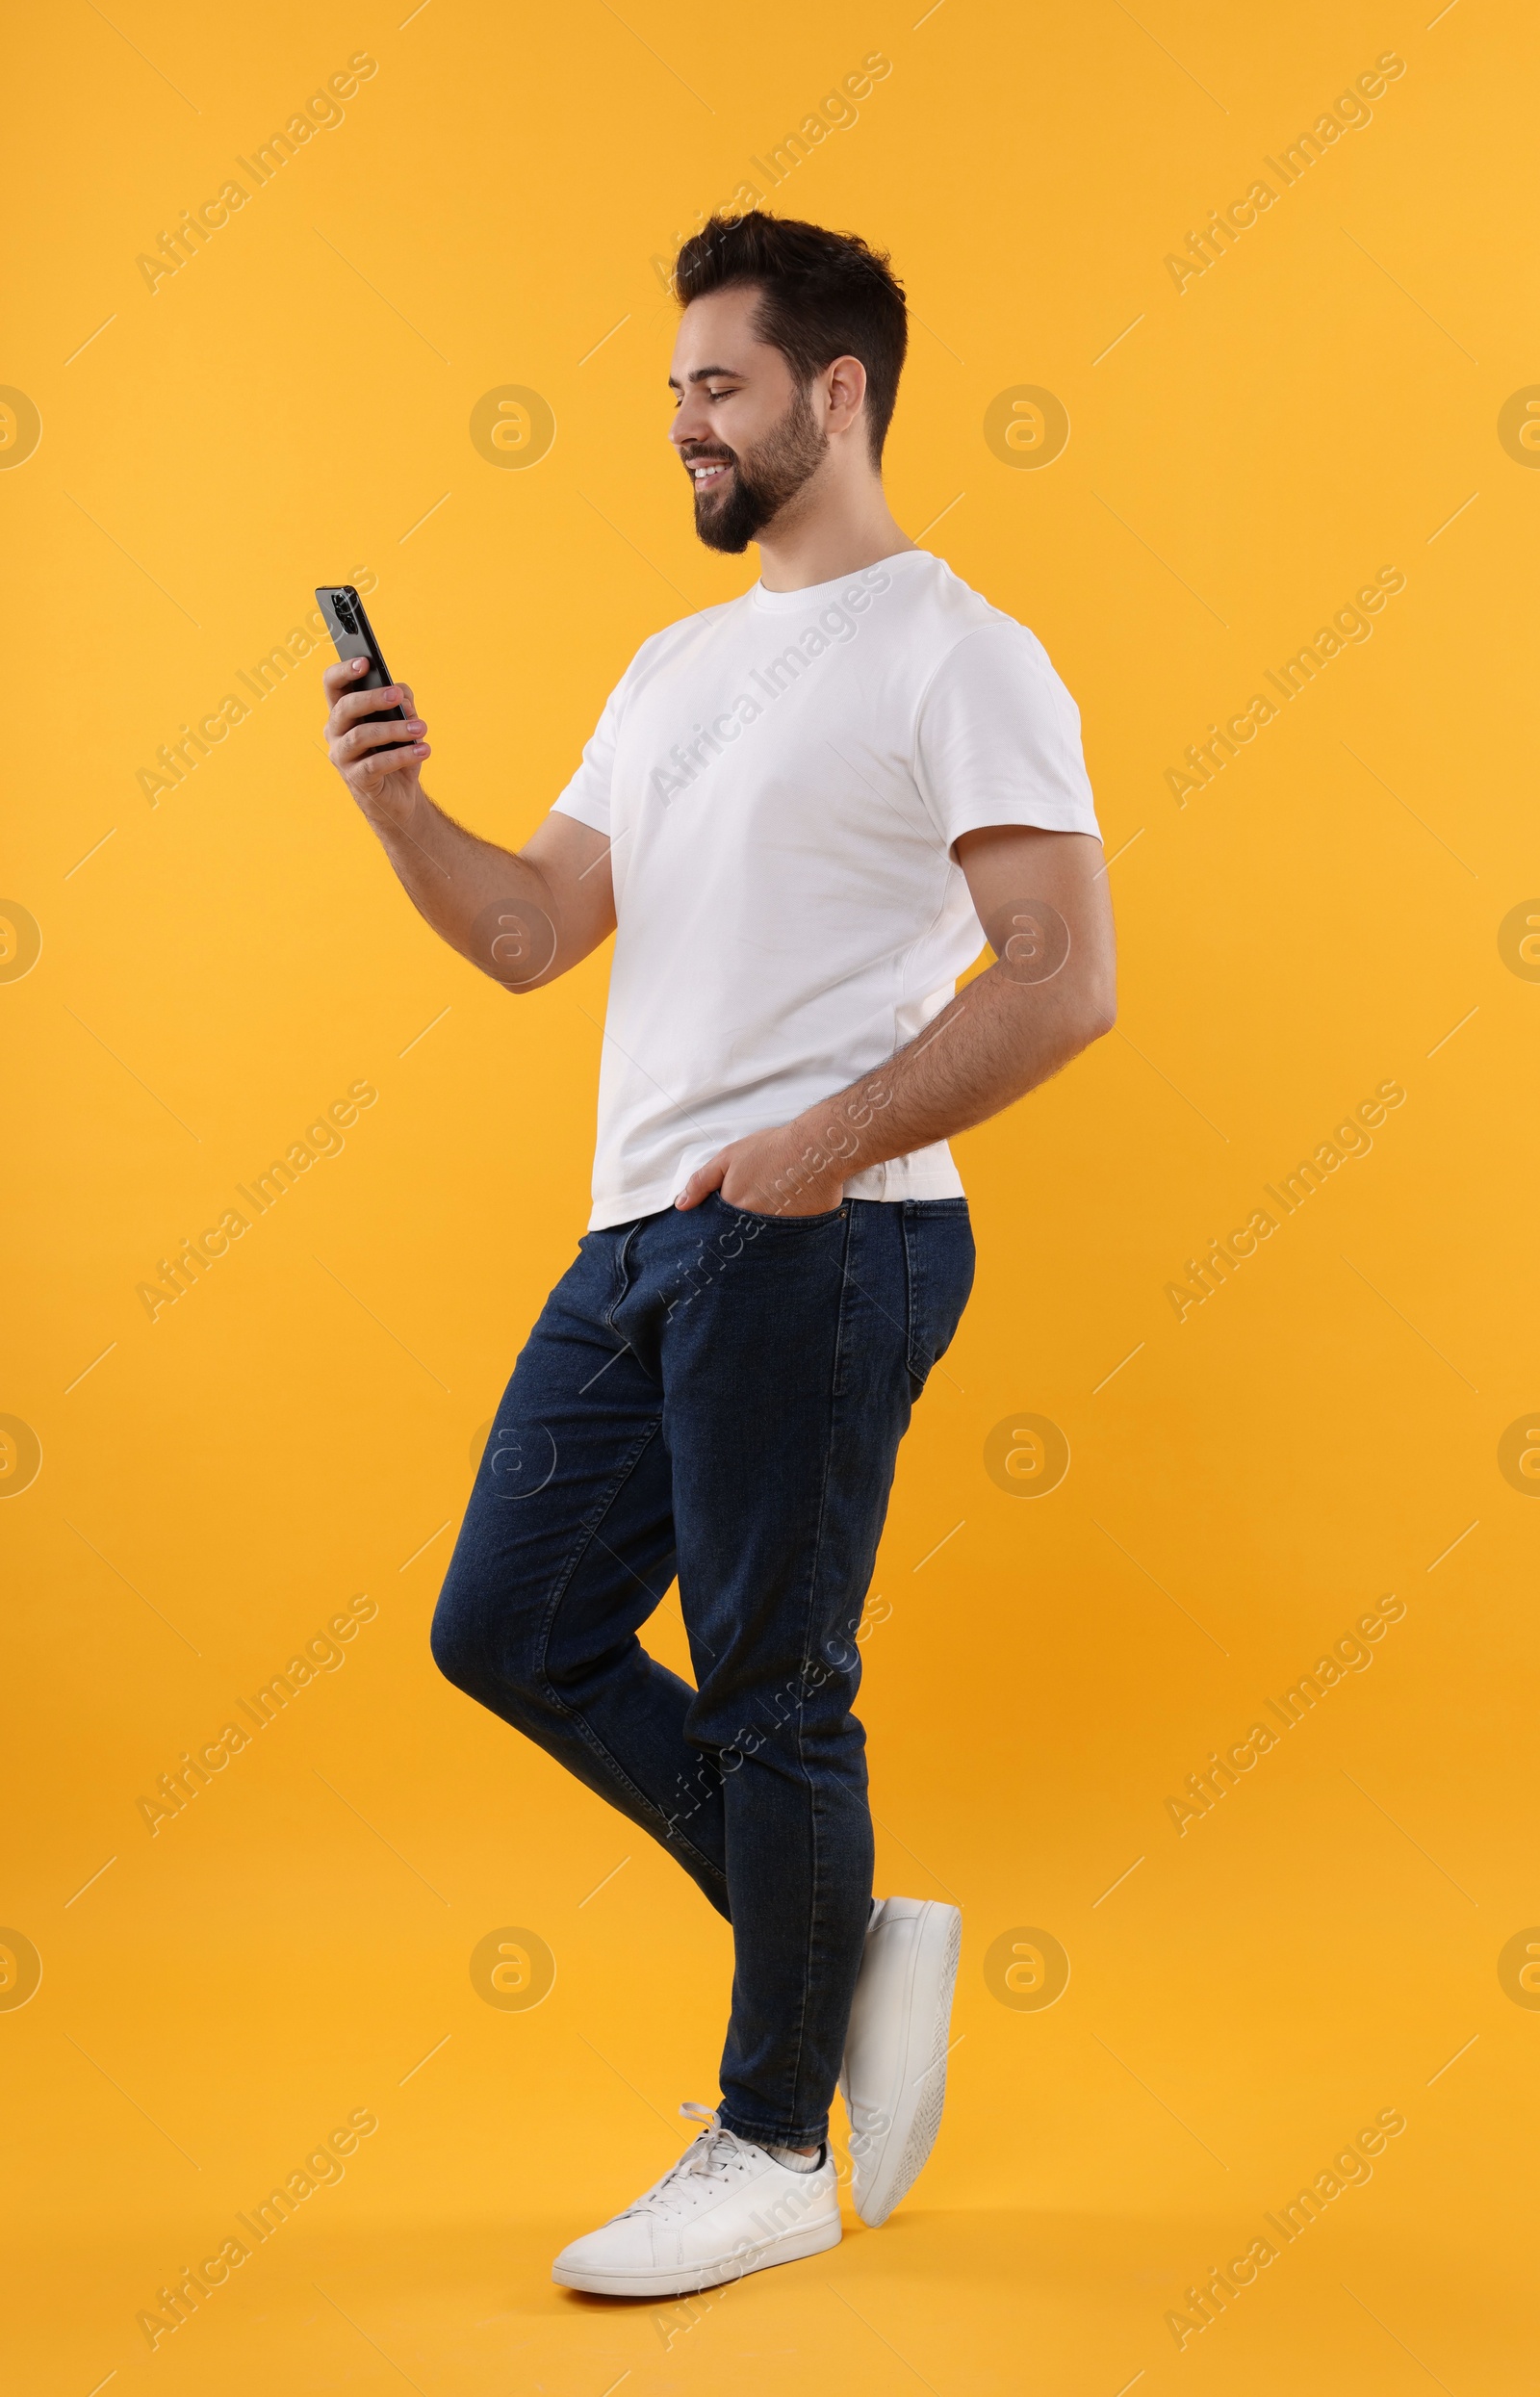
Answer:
(919, 2091)
(789, 2248)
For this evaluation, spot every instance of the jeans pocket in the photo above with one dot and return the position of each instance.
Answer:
(758, 1223)
(939, 1257)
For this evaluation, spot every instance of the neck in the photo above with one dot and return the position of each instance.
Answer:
(829, 532)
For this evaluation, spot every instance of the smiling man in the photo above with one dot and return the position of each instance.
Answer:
(800, 815)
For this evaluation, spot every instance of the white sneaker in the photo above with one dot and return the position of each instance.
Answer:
(725, 2208)
(893, 2079)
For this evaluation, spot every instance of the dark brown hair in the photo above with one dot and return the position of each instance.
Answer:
(822, 295)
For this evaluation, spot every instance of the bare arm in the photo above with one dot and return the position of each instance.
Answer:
(1042, 898)
(522, 916)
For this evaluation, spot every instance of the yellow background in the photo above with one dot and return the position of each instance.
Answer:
(291, 406)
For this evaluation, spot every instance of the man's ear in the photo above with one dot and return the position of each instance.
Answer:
(845, 386)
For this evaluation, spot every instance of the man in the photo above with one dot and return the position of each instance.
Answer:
(795, 815)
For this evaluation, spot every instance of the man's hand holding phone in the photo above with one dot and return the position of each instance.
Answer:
(522, 916)
(379, 769)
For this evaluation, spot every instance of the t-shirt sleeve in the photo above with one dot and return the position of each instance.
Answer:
(587, 795)
(997, 738)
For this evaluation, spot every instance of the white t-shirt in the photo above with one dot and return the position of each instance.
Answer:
(782, 779)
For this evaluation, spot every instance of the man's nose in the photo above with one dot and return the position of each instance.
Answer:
(689, 426)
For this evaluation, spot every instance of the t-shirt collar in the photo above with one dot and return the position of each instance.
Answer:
(820, 594)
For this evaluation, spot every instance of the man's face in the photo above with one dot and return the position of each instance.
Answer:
(744, 427)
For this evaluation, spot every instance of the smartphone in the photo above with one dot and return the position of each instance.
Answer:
(354, 636)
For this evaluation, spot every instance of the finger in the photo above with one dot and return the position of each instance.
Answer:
(370, 736)
(370, 773)
(703, 1181)
(355, 703)
(383, 758)
(342, 675)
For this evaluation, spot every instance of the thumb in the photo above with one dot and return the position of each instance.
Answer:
(703, 1181)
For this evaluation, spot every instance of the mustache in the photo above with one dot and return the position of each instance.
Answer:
(710, 457)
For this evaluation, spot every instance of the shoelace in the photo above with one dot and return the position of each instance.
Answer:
(711, 2154)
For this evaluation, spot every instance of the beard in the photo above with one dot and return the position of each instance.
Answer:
(763, 480)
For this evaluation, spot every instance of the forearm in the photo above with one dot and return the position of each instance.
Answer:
(494, 906)
(1048, 995)
(524, 917)
(995, 1040)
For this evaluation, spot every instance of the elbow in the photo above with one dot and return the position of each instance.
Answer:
(1098, 1014)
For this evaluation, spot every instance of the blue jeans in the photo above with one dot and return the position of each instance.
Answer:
(721, 1396)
